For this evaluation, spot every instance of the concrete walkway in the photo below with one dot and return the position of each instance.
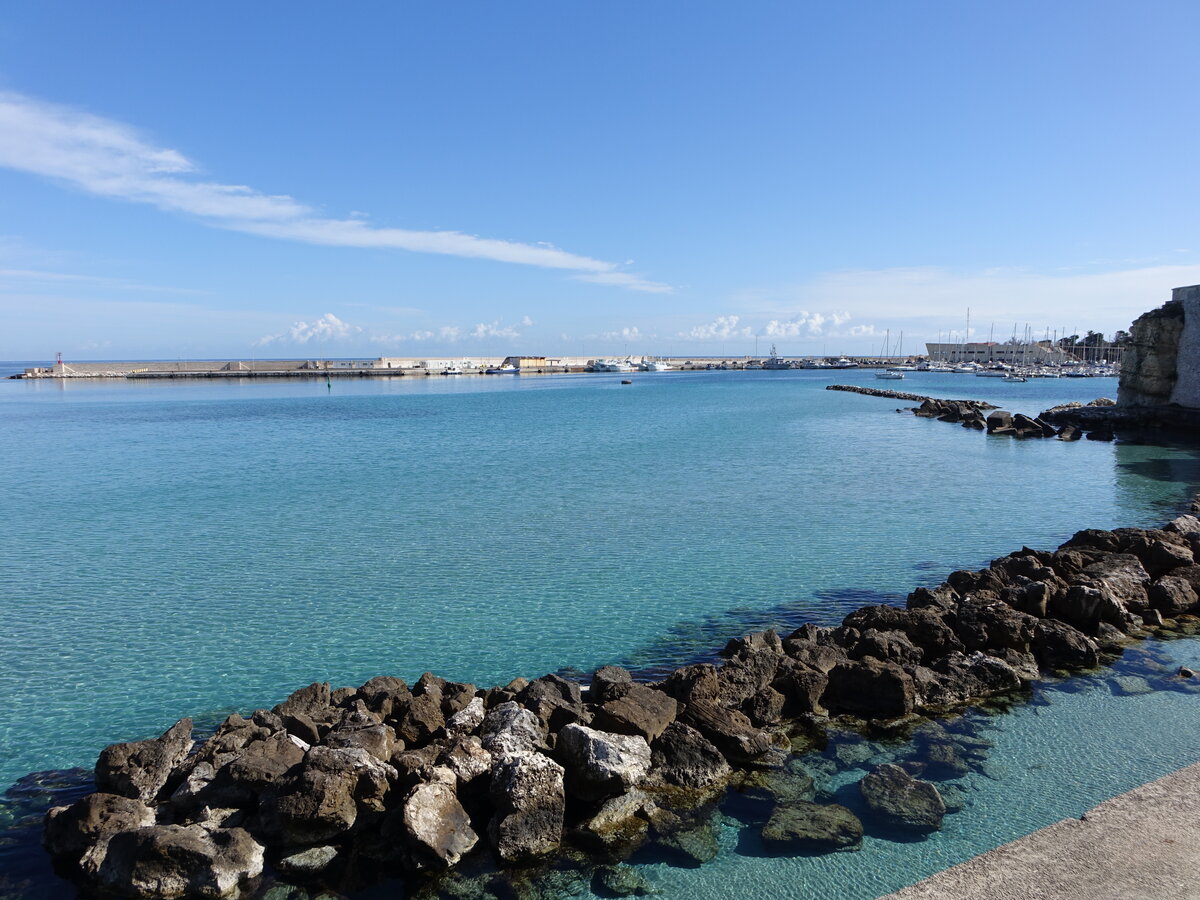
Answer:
(1142, 845)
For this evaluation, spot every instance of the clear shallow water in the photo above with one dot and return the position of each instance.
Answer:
(190, 548)
(1073, 746)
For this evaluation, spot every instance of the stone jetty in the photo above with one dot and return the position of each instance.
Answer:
(337, 788)
(904, 395)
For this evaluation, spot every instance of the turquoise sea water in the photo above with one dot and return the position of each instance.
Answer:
(191, 548)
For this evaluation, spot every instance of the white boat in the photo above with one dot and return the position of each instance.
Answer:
(654, 365)
(890, 375)
(1014, 376)
(941, 368)
(503, 370)
(452, 370)
(904, 368)
(991, 373)
(843, 363)
(612, 365)
(753, 364)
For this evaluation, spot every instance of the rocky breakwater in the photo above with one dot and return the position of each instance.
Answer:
(904, 395)
(339, 788)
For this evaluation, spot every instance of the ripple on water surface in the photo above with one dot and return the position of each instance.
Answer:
(189, 549)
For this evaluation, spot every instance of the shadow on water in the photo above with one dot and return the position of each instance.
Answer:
(25, 869)
(694, 642)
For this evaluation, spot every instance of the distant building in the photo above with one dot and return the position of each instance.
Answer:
(530, 362)
(983, 352)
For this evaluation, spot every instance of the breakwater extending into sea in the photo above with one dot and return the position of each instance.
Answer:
(343, 787)
(432, 470)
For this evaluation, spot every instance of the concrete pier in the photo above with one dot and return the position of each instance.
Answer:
(1141, 845)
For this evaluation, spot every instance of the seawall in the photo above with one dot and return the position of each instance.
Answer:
(1140, 845)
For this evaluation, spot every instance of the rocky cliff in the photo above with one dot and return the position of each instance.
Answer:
(1163, 365)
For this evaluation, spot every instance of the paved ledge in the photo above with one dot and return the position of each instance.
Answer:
(1142, 845)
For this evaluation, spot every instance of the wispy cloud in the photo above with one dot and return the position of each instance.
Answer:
(327, 328)
(35, 275)
(722, 327)
(111, 159)
(629, 333)
(626, 280)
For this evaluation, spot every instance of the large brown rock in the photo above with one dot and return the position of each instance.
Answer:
(1173, 595)
(529, 800)
(422, 719)
(869, 688)
(984, 625)
(77, 835)
(601, 764)
(802, 686)
(730, 731)
(1058, 645)
(437, 827)
(609, 683)
(638, 710)
(314, 701)
(748, 672)
(510, 729)
(168, 861)
(141, 769)
(695, 682)
(924, 626)
(264, 763)
(684, 757)
(324, 800)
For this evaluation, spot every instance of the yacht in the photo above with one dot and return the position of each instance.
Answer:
(890, 374)
(502, 370)
(843, 363)
(654, 365)
(612, 365)
(452, 369)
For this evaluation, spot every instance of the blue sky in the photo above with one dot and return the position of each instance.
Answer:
(302, 179)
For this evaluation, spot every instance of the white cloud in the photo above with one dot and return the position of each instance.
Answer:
(34, 275)
(722, 327)
(494, 329)
(112, 160)
(861, 330)
(630, 333)
(328, 327)
(450, 332)
(626, 280)
(805, 324)
(526, 321)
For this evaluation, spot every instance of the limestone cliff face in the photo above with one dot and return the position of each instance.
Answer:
(1187, 361)
(1163, 364)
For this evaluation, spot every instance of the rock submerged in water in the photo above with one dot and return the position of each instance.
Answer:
(446, 775)
(811, 827)
(903, 801)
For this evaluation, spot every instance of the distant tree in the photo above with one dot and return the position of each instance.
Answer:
(1122, 337)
